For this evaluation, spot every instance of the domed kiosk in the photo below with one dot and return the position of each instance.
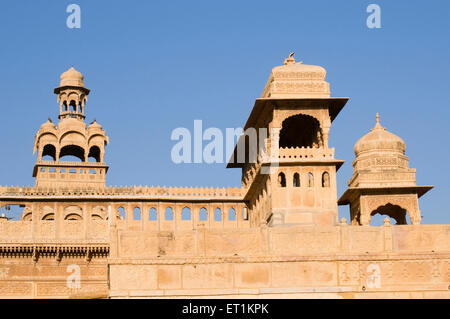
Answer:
(70, 138)
(382, 183)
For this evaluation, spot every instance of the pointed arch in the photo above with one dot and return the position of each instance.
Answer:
(168, 214)
(152, 214)
(186, 213)
(203, 214)
(232, 214)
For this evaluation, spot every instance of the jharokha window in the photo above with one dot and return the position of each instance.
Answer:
(281, 180)
(296, 180)
(325, 179)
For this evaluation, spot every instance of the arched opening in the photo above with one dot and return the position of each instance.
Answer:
(72, 153)
(49, 153)
(392, 211)
(231, 214)
(15, 212)
(281, 180)
(73, 213)
(325, 179)
(136, 213)
(300, 131)
(217, 215)
(73, 105)
(186, 213)
(244, 213)
(152, 214)
(168, 214)
(94, 154)
(296, 180)
(122, 214)
(203, 215)
(310, 179)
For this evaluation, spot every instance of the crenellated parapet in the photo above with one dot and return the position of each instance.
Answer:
(194, 193)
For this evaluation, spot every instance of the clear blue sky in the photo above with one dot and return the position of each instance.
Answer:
(154, 66)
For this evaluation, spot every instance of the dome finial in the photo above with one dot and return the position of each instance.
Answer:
(290, 59)
(378, 125)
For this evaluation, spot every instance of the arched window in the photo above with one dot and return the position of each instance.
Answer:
(231, 214)
(390, 211)
(300, 131)
(136, 213)
(203, 214)
(72, 153)
(73, 105)
(281, 180)
(296, 180)
(152, 214)
(94, 154)
(52, 170)
(244, 213)
(72, 170)
(122, 213)
(49, 153)
(217, 215)
(310, 179)
(186, 213)
(325, 179)
(168, 214)
(62, 170)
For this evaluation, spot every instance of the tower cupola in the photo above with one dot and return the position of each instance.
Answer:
(72, 95)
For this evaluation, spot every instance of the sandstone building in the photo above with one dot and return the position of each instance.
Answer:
(278, 236)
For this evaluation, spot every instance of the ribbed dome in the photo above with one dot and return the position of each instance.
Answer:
(72, 78)
(95, 126)
(72, 124)
(48, 125)
(379, 139)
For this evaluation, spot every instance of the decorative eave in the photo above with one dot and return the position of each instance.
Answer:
(353, 192)
(60, 88)
(56, 249)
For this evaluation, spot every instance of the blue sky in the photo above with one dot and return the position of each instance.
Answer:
(153, 66)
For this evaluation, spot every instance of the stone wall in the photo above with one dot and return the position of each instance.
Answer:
(342, 261)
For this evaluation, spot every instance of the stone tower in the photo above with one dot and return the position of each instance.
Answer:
(382, 183)
(293, 179)
(70, 137)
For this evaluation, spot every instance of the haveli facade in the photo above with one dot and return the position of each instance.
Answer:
(278, 236)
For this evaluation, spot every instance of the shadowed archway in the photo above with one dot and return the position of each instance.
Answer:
(393, 211)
